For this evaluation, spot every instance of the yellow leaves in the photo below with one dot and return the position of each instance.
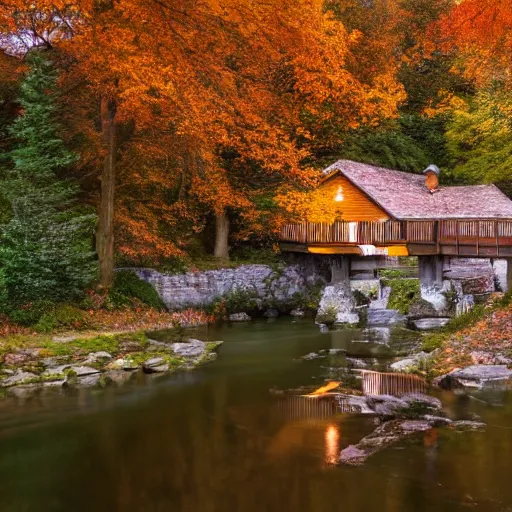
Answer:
(314, 206)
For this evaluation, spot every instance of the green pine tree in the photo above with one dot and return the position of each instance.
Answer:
(46, 246)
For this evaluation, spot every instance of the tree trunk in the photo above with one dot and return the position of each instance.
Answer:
(105, 231)
(221, 236)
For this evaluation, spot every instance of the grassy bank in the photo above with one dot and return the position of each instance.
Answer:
(485, 331)
(95, 359)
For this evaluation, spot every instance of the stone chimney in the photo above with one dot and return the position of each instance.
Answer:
(431, 178)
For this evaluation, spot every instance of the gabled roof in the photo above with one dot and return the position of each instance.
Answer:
(404, 196)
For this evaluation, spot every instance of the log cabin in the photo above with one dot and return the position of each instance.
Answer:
(393, 213)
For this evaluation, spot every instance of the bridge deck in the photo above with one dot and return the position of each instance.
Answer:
(470, 238)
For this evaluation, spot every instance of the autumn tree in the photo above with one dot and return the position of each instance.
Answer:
(480, 132)
(203, 108)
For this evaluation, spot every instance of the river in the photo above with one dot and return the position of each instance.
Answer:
(216, 440)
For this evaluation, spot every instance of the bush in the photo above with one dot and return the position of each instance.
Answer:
(46, 323)
(4, 298)
(44, 316)
(30, 314)
(236, 301)
(403, 293)
(128, 286)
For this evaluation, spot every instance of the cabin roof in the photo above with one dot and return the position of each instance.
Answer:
(404, 195)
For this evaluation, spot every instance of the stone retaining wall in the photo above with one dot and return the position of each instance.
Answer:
(197, 289)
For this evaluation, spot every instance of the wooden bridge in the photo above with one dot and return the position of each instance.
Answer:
(465, 238)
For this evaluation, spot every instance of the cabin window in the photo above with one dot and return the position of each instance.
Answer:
(339, 195)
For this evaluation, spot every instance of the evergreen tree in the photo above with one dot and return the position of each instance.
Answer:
(46, 246)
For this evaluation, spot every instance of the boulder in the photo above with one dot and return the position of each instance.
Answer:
(271, 313)
(298, 313)
(239, 317)
(410, 363)
(384, 317)
(421, 308)
(427, 324)
(98, 357)
(20, 377)
(383, 436)
(476, 376)
(192, 348)
(386, 405)
(88, 381)
(427, 401)
(155, 365)
(403, 406)
(337, 305)
(83, 371)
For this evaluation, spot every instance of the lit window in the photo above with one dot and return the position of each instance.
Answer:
(339, 195)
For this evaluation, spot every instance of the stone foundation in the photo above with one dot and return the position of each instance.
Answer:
(200, 289)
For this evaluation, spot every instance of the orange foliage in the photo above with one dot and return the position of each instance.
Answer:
(481, 30)
(211, 100)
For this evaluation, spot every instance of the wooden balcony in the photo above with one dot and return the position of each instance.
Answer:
(471, 238)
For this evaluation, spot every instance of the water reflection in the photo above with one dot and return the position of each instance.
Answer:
(332, 444)
(214, 441)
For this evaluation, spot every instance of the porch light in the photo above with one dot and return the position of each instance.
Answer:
(339, 195)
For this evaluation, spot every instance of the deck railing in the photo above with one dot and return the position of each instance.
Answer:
(449, 232)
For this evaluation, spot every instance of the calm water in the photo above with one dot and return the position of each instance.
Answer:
(215, 440)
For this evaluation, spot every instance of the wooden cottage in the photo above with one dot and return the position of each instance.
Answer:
(387, 212)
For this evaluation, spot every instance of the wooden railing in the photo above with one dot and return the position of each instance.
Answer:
(485, 233)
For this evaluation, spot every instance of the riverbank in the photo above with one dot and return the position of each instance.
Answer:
(111, 354)
(482, 336)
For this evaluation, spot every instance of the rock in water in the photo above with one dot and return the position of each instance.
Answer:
(426, 324)
(98, 357)
(271, 313)
(193, 348)
(82, 371)
(476, 376)
(378, 316)
(410, 363)
(20, 377)
(239, 317)
(383, 436)
(337, 305)
(155, 365)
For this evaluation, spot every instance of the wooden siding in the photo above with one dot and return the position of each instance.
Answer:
(356, 205)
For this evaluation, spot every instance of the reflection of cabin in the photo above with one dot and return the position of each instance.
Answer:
(386, 212)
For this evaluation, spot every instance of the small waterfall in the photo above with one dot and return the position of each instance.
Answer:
(313, 407)
(396, 384)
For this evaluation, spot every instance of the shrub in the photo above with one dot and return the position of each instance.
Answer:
(44, 316)
(403, 293)
(4, 298)
(30, 314)
(46, 323)
(128, 286)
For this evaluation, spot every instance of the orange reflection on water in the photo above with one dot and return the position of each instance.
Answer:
(332, 444)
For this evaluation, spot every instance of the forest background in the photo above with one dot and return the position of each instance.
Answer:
(157, 133)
